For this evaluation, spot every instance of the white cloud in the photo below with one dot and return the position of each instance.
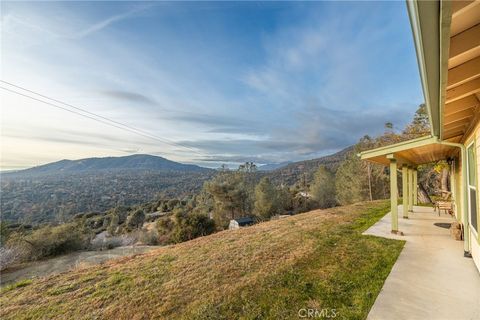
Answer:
(313, 76)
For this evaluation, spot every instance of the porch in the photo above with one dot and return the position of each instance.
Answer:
(430, 279)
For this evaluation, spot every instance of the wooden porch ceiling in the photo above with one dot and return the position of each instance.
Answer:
(414, 152)
(462, 99)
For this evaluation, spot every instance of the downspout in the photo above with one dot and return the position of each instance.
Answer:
(466, 231)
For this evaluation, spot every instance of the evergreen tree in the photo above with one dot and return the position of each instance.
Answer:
(230, 197)
(420, 125)
(350, 181)
(266, 199)
(323, 188)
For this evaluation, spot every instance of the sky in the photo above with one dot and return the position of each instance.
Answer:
(213, 82)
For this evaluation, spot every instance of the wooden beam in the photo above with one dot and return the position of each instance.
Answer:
(465, 114)
(465, 18)
(461, 104)
(463, 90)
(456, 126)
(463, 73)
(459, 6)
(473, 123)
(400, 160)
(464, 46)
(454, 134)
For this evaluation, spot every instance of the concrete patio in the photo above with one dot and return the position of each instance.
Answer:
(431, 279)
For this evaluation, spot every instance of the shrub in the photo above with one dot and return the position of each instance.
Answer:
(191, 226)
(113, 227)
(12, 255)
(52, 240)
(103, 242)
(136, 219)
(149, 237)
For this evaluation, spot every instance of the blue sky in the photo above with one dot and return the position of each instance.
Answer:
(234, 81)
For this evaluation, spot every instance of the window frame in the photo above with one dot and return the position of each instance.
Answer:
(472, 187)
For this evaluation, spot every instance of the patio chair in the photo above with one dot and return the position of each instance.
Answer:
(446, 203)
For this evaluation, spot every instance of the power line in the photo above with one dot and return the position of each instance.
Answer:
(94, 116)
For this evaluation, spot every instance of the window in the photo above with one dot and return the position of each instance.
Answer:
(472, 190)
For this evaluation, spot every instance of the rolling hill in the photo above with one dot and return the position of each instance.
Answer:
(293, 172)
(133, 162)
(318, 259)
(59, 190)
(273, 166)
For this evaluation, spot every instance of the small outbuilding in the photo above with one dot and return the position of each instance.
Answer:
(240, 223)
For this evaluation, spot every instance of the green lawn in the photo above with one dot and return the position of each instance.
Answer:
(316, 260)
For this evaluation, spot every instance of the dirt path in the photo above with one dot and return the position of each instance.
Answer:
(69, 261)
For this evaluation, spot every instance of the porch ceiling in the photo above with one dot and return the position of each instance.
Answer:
(413, 152)
(462, 105)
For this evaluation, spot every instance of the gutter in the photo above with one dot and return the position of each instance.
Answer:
(466, 231)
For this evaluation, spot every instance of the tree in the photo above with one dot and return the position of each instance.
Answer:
(230, 197)
(266, 199)
(350, 183)
(420, 125)
(323, 188)
(285, 199)
(248, 167)
(136, 219)
(442, 168)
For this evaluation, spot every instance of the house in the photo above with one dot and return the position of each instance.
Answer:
(240, 222)
(447, 42)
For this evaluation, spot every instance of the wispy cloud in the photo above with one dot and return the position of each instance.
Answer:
(129, 96)
(98, 26)
(281, 81)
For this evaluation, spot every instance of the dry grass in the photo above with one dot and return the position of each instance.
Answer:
(317, 259)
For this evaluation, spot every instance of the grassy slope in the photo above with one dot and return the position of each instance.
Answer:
(317, 260)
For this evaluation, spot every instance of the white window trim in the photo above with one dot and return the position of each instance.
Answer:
(475, 232)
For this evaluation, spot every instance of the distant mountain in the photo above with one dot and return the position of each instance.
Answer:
(59, 190)
(293, 172)
(133, 162)
(273, 166)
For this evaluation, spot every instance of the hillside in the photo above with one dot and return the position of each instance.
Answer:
(135, 162)
(57, 197)
(271, 270)
(59, 190)
(273, 166)
(293, 172)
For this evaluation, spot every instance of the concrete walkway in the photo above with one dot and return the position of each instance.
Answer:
(431, 279)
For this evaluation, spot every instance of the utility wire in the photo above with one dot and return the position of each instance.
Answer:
(94, 116)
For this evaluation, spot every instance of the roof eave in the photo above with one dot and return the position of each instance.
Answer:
(402, 146)
(425, 22)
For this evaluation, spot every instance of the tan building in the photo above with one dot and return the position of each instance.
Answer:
(447, 41)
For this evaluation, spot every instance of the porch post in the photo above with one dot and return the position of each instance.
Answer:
(415, 187)
(405, 191)
(394, 195)
(410, 189)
